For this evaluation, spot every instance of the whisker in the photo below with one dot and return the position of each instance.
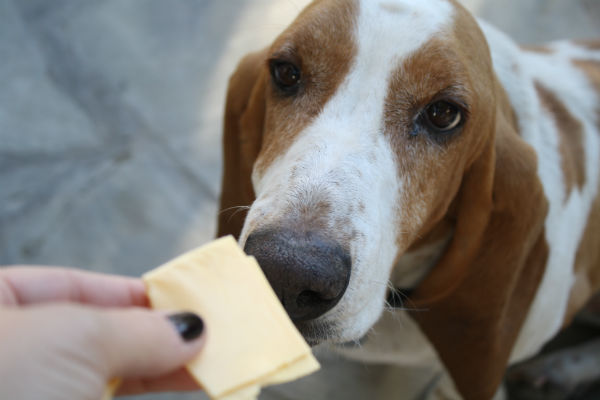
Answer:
(234, 214)
(400, 300)
(398, 296)
(391, 308)
(238, 208)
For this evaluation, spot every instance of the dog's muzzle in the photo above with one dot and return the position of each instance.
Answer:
(308, 272)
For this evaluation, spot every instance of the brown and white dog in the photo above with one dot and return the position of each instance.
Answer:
(384, 144)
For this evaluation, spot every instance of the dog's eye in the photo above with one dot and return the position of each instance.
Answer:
(443, 116)
(286, 76)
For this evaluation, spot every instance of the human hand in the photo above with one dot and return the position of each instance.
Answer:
(64, 333)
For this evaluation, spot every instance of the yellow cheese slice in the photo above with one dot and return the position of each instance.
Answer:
(250, 340)
(110, 389)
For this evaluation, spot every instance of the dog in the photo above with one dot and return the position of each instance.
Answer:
(401, 151)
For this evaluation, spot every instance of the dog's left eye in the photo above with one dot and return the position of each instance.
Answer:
(286, 76)
(443, 116)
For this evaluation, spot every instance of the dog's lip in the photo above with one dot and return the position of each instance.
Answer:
(354, 343)
(320, 332)
(316, 332)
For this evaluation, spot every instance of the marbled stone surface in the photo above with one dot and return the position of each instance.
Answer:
(110, 124)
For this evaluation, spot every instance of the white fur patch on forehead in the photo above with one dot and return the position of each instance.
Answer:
(388, 30)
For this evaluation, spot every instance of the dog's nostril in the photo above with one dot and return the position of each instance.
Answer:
(308, 298)
(309, 273)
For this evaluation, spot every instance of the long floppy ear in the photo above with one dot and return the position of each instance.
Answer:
(242, 140)
(474, 302)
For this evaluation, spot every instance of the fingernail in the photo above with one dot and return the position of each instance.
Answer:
(188, 325)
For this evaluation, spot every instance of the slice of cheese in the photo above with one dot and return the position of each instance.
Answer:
(110, 389)
(250, 340)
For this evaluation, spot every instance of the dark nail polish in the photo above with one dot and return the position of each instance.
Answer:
(189, 325)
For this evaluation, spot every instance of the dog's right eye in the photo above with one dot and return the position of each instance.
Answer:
(286, 76)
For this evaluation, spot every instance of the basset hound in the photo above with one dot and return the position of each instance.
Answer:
(402, 149)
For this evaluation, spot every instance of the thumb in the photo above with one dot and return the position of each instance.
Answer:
(146, 343)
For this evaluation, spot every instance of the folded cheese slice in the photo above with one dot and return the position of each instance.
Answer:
(250, 340)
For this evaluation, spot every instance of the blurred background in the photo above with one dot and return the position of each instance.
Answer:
(110, 129)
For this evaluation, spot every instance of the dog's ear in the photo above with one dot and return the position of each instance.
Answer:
(475, 300)
(242, 139)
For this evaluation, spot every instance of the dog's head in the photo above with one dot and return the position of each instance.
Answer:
(369, 113)
(360, 139)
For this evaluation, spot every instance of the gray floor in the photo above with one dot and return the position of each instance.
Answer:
(110, 120)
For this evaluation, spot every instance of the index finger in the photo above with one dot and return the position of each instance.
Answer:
(21, 285)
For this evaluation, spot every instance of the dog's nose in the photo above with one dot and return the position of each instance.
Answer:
(308, 272)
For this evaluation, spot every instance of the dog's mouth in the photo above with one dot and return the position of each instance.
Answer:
(352, 344)
(317, 332)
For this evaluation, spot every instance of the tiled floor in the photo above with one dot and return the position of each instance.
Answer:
(110, 120)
